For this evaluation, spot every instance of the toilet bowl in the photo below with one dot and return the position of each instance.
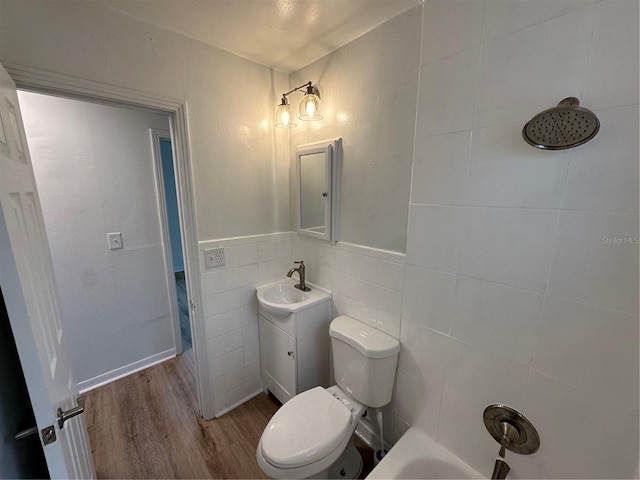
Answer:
(310, 435)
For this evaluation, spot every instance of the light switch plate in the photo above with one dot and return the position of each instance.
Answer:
(214, 257)
(115, 240)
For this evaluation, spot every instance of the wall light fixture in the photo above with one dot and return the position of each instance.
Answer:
(309, 107)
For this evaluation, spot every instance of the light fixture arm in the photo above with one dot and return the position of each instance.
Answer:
(308, 85)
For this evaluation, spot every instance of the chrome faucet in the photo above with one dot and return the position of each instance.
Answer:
(302, 285)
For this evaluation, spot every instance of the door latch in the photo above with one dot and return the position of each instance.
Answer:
(64, 415)
(48, 434)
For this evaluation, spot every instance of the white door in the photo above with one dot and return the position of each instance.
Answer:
(31, 297)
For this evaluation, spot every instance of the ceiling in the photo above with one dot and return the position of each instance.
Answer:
(284, 34)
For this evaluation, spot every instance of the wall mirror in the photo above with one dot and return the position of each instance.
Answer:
(319, 166)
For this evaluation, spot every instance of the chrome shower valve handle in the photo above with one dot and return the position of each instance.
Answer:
(513, 431)
(510, 434)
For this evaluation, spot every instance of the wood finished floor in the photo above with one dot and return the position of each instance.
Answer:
(146, 426)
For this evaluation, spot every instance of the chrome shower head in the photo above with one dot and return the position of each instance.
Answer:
(565, 126)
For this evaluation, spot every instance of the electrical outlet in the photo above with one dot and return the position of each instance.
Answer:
(115, 241)
(214, 257)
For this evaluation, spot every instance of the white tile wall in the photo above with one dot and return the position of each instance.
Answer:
(508, 245)
(448, 29)
(448, 113)
(497, 318)
(521, 275)
(525, 72)
(596, 260)
(473, 379)
(231, 315)
(435, 235)
(448, 155)
(611, 79)
(584, 345)
(581, 436)
(507, 172)
(420, 377)
(366, 282)
(502, 17)
(428, 297)
(600, 181)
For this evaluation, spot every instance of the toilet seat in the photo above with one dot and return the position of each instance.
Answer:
(305, 429)
(310, 433)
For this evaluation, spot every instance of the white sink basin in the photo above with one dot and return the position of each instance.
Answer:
(284, 294)
(281, 299)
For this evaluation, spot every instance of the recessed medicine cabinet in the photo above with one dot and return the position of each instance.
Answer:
(319, 167)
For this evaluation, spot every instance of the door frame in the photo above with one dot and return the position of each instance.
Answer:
(156, 135)
(42, 81)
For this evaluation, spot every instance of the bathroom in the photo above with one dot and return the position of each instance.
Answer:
(494, 263)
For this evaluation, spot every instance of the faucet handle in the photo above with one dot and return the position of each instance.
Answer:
(301, 262)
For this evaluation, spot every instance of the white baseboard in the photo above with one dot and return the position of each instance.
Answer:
(237, 404)
(113, 375)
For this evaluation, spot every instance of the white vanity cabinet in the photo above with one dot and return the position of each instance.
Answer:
(294, 351)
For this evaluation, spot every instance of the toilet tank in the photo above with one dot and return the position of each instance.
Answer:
(364, 361)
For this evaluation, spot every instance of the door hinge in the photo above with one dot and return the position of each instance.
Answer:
(193, 307)
(48, 435)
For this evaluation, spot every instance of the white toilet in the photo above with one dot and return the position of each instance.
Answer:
(310, 436)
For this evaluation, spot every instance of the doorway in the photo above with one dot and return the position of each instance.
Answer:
(101, 182)
(165, 171)
(38, 80)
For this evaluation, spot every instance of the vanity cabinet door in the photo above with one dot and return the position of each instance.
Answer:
(278, 358)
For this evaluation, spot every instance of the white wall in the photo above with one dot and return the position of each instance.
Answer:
(241, 185)
(518, 285)
(95, 174)
(368, 90)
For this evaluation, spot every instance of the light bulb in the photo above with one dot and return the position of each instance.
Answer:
(283, 115)
(309, 107)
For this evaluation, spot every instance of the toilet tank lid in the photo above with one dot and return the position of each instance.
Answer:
(367, 340)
